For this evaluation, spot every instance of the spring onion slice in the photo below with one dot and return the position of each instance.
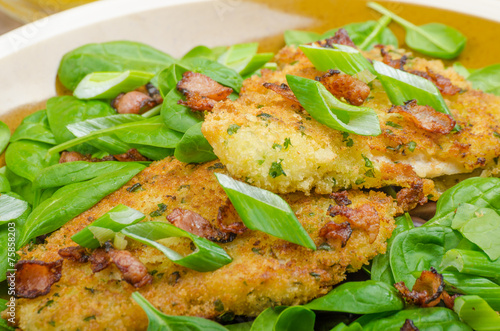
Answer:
(476, 312)
(160, 321)
(244, 59)
(114, 220)
(470, 262)
(344, 58)
(107, 85)
(207, 256)
(11, 208)
(402, 86)
(265, 211)
(330, 111)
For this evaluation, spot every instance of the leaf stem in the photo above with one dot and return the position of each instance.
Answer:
(382, 23)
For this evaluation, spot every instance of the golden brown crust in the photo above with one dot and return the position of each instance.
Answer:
(334, 232)
(344, 86)
(35, 278)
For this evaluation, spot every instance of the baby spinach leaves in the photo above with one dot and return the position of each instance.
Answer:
(27, 158)
(433, 39)
(284, 318)
(35, 127)
(11, 208)
(4, 136)
(244, 59)
(110, 56)
(194, 147)
(486, 79)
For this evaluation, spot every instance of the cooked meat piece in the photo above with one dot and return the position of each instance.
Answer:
(132, 155)
(442, 83)
(425, 117)
(74, 253)
(283, 90)
(345, 86)
(396, 64)
(227, 212)
(99, 260)
(154, 93)
(133, 271)
(133, 102)
(409, 197)
(34, 278)
(265, 270)
(409, 326)
(341, 198)
(72, 157)
(194, 223)
(336, 231)
(201, 92)
(341, 37)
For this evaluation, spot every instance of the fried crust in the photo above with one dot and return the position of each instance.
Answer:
(265, 271)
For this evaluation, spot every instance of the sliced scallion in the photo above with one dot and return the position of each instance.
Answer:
(265, 211)
(476, 312)
(11, 208)
(471, 262)
(330, 111)
(114, 220)
(207, 256)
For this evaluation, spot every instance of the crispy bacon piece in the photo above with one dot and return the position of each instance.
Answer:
(364, 217)
(99, 260)
(35, 278)
(341, 198)
(428, 290)
(196, 224)
(345, 86)
(409, 197)
(154, 93)
(225, 212)
(340, 37)
(75, 253)
(201, 92)
(133, 271)
(425, 117)
(396, 64)
(283, 90)
(72, 157)
(133, 102)
(409, 326)
(442, 83)
(332, 230)
(132, 155)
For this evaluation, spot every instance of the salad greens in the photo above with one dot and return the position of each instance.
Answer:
(4, 136)
(35, 127)
(486, 79)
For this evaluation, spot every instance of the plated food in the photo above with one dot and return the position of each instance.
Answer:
(273, 176)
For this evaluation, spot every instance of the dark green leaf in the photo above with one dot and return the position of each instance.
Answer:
(35, 127)
(207, 256)
(161, 322)
(366, 297)
(265, 211)
(4, 136)
(486, 79)
(27, 158)
(296, 318)
(178, 117)
(169, 77)
(110, 56)
(328, 110)
(476, 312)
(194, 147)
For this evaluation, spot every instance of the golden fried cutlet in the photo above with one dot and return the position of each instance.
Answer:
(326, 159)
(265, 271)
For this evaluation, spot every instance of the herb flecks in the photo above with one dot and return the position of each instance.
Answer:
(394, 125)
(135, 188)
(232, 129)
(161, 209)
(276, 169)
(345, 139)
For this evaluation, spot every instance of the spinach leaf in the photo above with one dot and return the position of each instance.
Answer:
(62, 111)
(330, 111)
(243, 58)
(151, 132)
(245, 326)
(27, 158)
(266, 320)
(152, 152)
(169, 77)
(4, 184)
(11, 208)
(207, 256)
(477, 191)
(366, 297)
(20, 185)
(297, 37)
(218, 72)
(419, 249)
(354, 326)
(284, 318)
(476, 312)
(194, 147)
(71, 200)
(434, 318)
(178, 117)
(381, 267)
(463, 71)
(110, 56)
(35, 127)
(433, 39)
(158, 321)
(486, 79)
(4, 136)
(204, 51)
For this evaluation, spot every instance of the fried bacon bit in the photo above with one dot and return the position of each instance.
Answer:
(196, 224)
(133, 102)
(396, 64)
(227, 211)
(409, 197)
(345, 86)
(133, 271)
(75, 253)
(341, 198)
(72, 157)
(425, 117)
(364, 217)
(332, 230)
(201, 92)
(428, 290)
(154, 93)
(442, 83)
(409, 326)
(35, 278)
(341, 37)
(132, 155)
(283, 90)
(99, 260)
